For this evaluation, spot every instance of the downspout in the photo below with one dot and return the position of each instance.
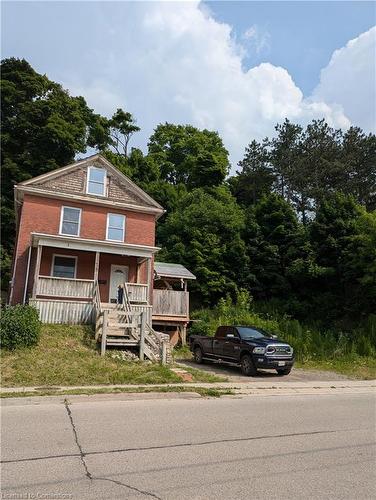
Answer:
(27, 275)
(15, 250)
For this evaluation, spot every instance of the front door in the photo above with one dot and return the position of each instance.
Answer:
(119, 276)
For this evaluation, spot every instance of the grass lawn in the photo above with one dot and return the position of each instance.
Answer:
(67, 355)
(354, 367)
(182, 353)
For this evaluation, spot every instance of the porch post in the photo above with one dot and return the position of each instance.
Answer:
(184, 335)
(142, 336)
(36, 272)
(96, 266)
(138, 270)
(149, 275)
(104, 332)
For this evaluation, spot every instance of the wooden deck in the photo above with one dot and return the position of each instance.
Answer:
(170, 304)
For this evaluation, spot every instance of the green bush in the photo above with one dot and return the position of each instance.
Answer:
(199, 328)
(364, 347)
(20, 327)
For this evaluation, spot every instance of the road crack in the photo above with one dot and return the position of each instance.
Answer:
(184, 445)
(148, 493)
(82, 455)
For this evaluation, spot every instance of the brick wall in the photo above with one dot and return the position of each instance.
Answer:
(42, 215)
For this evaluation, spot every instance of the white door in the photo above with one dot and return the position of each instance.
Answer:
(119, 275)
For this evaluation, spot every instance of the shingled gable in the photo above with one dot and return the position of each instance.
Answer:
(71, 180)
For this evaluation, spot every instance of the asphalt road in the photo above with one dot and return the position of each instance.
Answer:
(254, 447)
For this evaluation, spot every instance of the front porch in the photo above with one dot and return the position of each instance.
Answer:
(67, 276)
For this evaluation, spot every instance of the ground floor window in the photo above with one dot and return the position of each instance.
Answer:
(64, 267)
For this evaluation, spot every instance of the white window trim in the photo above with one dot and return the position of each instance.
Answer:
(67, 256)
(123, 228)
(104, 184)
(62, 218)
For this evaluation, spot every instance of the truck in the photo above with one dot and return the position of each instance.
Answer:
(249, 347)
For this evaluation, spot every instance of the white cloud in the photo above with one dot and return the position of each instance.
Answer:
(173, 62)
(258, 39)
(349, 80)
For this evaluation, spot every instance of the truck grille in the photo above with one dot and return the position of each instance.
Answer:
(279, 350)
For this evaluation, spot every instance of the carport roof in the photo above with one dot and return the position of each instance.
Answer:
(168, 270)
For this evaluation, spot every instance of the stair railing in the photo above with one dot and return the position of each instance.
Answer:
(99, 325)
(129, 315)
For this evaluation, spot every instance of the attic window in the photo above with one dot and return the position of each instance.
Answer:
(96, 181)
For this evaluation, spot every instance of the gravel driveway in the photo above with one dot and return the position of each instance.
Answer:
(233, 373)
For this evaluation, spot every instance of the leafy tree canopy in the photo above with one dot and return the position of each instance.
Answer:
(42, 128)
(275, 241)
(188, 155)
(204, 233)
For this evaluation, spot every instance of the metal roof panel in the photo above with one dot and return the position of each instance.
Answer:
(168, 270)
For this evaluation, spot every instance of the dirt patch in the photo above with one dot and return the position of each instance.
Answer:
(183, 374)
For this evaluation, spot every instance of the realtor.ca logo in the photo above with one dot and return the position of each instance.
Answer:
(35, 496)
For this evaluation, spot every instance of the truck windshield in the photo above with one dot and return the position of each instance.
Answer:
(251, 333)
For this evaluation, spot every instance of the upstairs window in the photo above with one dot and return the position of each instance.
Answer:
(64, 267)
(70, 221)
(115, 227)
(96, 181)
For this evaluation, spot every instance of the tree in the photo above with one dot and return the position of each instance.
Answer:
(343, 236)
(120, 128)
(204, 234)
(42, 128)
(359, 159)
(275, 241)
(187, 155)
(256, 176)
(284, 154)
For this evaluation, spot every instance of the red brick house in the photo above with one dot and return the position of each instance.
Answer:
(83, 230)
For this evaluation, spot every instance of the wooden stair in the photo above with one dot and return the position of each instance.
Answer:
(123, 329)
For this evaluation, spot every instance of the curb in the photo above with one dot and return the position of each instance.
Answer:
(241, 388)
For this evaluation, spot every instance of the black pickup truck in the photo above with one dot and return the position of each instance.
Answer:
(247, 346)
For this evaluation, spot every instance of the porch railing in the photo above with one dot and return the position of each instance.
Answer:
(138, 292)
(50, 286)
(170, 303)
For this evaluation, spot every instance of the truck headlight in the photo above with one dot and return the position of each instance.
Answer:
(259, 350)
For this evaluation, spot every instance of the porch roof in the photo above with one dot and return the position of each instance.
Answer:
(74, 243)
(168, 270)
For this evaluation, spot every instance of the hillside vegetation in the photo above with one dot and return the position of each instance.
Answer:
(351, 354)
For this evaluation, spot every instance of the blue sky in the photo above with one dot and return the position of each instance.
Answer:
(299, 36)
(235, 67)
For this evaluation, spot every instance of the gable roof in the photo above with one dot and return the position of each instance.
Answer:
(71, 181)
(168, 270)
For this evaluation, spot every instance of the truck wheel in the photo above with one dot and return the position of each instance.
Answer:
(247, 366)
(284, 371)
(198, 355)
